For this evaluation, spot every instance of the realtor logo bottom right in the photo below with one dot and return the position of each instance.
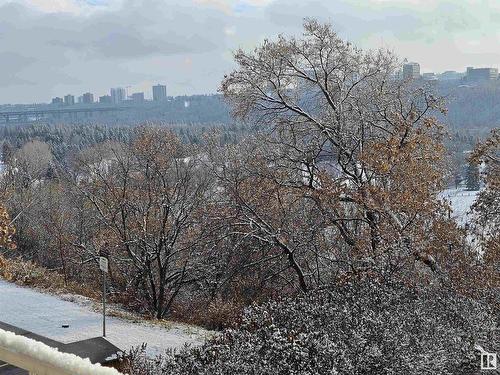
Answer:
(488, 361)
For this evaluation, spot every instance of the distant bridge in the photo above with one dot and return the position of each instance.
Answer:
(38, 114)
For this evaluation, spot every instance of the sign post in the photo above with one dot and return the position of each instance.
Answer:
(103, 265)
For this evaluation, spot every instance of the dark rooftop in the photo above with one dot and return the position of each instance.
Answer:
(97, 349)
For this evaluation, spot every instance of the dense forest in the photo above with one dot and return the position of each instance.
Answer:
(65, 140)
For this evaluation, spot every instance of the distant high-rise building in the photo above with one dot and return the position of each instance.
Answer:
(481, 74)
(105, 99)
(411, 71)
(118, 95)
(80, 99)
(69, 99)
(88, 98)
(57, 100)
(429, 76)
(137, 97)
(159, 92)
(450, 75)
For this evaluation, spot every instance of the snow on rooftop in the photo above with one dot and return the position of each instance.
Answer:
(70, 363)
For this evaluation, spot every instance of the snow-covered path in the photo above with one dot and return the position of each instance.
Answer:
(44, 314)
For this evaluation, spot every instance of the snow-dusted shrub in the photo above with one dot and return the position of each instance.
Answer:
(364, 328)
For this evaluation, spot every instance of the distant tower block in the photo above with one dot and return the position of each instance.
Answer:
(118, 95)
(411, 71)
(159, 92)
(69, 99)
(481, 74)
(105, 99)
(57, 100)
(137, 97)
(88, 98)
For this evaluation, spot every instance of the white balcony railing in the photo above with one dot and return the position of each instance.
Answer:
(40, 359)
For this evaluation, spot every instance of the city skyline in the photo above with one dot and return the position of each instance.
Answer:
(409, 70)
(54, 47)
(114, 95)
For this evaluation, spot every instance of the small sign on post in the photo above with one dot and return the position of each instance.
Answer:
(103, 265)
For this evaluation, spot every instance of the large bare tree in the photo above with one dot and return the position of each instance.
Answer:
(148, 197)
(358, 142)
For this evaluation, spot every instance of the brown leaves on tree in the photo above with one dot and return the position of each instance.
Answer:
(7, 230)
(363, 146)
(486, 210)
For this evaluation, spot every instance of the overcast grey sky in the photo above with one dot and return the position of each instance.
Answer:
(54, 47)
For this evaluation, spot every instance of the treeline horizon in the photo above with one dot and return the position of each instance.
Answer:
(470, 109)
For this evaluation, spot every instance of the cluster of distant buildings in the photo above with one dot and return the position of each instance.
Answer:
(471, 75)
(116, 95)
(410, 71)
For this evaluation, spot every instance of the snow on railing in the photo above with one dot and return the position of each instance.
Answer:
(41, 359)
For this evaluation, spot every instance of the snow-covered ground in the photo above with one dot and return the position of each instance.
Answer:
(45, 314)
(461, 200)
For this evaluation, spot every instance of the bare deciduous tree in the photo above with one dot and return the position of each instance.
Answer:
(148, 197)
(355, 140)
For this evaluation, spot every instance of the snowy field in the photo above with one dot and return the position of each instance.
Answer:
(44, 314)
(461, 200)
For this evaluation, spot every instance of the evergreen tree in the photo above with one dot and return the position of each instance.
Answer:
(458, 180)
(472, 177)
